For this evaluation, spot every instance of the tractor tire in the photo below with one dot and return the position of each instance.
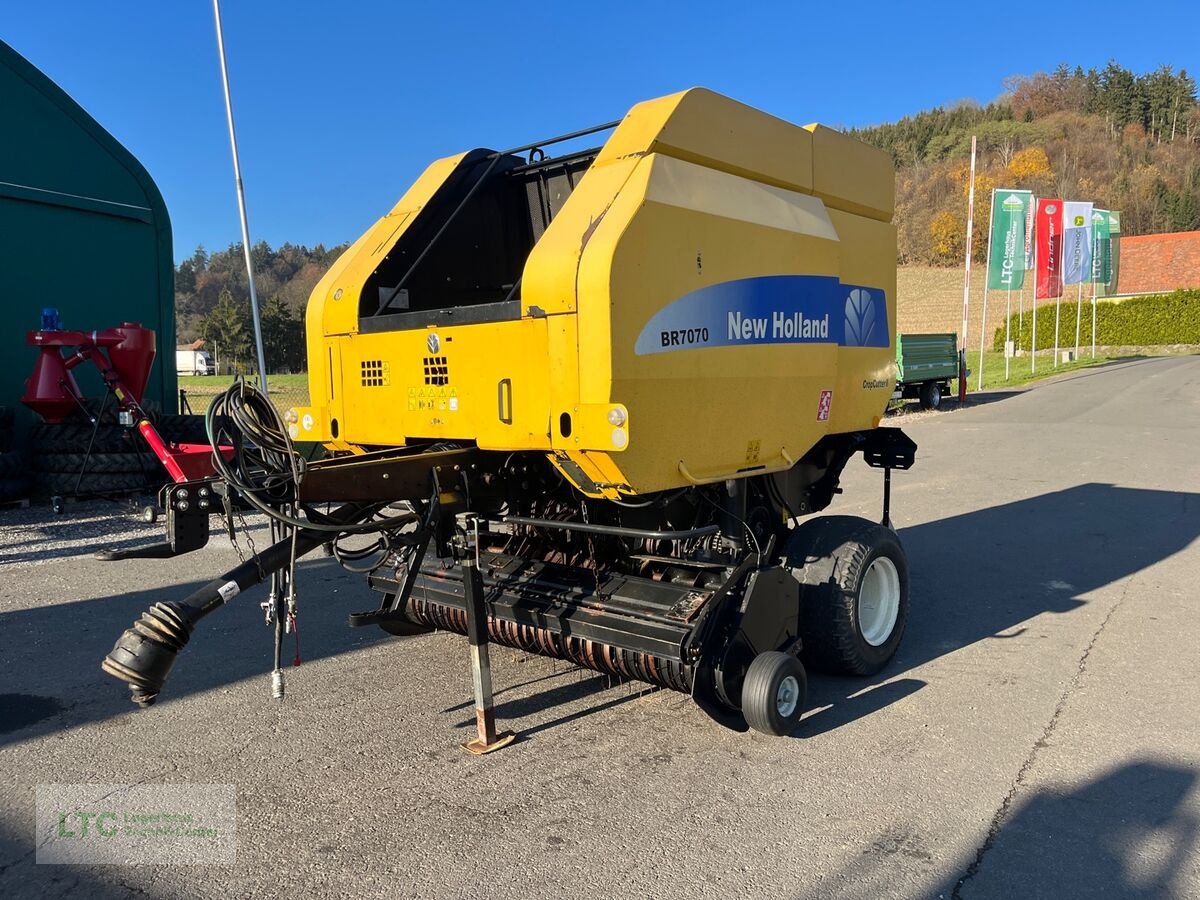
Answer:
(73, 437)
(186, 429)
(7, 424)
(773, 693)
(931, 395)
(14, 487)
(99, 463)
(68, 484)
(854, 593)
(151, 408)
(13, 465)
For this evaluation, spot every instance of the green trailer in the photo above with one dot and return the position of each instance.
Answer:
(925, 366)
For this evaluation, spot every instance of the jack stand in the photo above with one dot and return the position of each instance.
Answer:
(467, 548)
(887, 498)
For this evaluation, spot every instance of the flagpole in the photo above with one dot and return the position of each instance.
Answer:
(1034, 300)
(970, 232)
(1094, 319)
(1078, 316)
(1007, 320)
(1057, 315)
(241, 199)
(987, 274)
(1021, 311)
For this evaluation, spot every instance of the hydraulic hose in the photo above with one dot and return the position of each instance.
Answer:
(143, 656)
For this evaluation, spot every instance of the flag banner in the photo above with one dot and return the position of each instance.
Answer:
(1077, 242)
(1101, 247)
(1007, 269)
(1048, 241)
(1030, 212)
(1114, 252)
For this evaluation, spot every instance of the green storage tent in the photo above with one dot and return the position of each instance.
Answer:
(84, 230)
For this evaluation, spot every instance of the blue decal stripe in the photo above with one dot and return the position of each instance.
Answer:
(771, 309)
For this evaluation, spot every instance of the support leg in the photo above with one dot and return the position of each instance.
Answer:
(477, 636)
(887, 498)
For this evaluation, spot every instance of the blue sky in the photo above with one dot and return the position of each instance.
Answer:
(340, 105)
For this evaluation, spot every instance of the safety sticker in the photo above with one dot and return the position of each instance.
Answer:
(228, 591)
(823, 406)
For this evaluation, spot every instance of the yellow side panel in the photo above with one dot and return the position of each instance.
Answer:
(487, 382)
(712, 411)
(548, 281)
(852, 176)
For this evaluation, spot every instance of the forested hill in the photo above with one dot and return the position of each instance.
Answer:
(212, 298)
(1120, 140)
(1123, 141)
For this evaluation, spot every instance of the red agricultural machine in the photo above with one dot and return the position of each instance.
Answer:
(123, 356)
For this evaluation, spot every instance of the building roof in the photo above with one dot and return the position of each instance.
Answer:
(1159, 262)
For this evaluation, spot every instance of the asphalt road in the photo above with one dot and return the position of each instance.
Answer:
(1038, 734)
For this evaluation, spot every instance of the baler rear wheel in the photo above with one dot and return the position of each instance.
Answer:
(774, 692)
(854, 593)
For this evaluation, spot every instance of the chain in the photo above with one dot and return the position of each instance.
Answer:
(245, 526)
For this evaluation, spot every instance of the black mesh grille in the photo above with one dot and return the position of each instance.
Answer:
(436, 370)
(374, 373)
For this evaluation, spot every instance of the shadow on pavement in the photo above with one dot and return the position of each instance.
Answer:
(1127, 834)
(52, 653)
(973, 577)
(982, 573)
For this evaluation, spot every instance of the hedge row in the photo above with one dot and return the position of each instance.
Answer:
(1148, 321)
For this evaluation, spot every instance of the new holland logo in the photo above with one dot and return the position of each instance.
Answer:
(860, 318)
(433, 342)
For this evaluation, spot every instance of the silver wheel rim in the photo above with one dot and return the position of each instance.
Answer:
(879, 601)
(787, 697)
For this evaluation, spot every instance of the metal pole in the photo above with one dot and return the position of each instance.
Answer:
(1034, 299)
(1007, 324)
(467, 547)
(970, 231)
(241, 196)
(987, 274)
(1078, 317)
(1057, 316)
(1093, 320)
(1021, 314)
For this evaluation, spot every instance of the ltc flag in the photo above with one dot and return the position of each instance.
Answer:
(1077, 242)
(1048, 248)
(1101, 247)
(1007, 271)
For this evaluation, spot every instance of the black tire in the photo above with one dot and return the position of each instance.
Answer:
(99, 463)
(187, 429)
(151, 408)
(931, 395)
(774, 692)
(13, 465)
(14, 487)
(71, 437)
(831, 556)
(64, 483)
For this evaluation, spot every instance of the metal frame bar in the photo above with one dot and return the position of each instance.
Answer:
(494, 159)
